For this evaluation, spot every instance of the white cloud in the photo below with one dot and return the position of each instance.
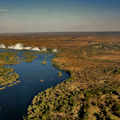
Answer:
(3, 10)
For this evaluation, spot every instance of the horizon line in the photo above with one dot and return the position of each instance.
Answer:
(62, 32)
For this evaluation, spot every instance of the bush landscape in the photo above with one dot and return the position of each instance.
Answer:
(93, 89)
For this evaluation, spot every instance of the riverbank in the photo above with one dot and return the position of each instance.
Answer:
(33, 78)
(94, 82)
(93, 90)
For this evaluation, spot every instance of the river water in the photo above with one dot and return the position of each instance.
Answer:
(14, 100)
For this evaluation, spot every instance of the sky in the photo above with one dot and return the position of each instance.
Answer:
(19, 16)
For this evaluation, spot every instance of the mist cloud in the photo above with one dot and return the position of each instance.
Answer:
(4, 10)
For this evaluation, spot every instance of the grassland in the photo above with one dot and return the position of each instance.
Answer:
(93, 90)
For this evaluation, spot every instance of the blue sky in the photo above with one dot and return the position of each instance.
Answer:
(59, 15)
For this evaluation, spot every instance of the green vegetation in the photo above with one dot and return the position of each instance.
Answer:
(49, 50)
(108, 52)
(30, 53)
(92, 91)
(29, 56)
(2, 88)
(59, 74)
(13, 58)
(10, 85)
(44, 62)
(7, 77)
(5, 71)
(17, 82)
(41, 80)
(8, 58)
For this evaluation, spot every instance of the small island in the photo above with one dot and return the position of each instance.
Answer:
(59, 74)
(44, 62)
(41, 80)
(29, 56)
(7, 75)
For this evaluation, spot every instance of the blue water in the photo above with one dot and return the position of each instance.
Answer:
(15, 99)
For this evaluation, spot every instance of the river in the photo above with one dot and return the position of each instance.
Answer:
(14, 100)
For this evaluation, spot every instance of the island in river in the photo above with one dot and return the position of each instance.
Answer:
(17, 94)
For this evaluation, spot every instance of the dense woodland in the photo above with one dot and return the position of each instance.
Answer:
(92, 91)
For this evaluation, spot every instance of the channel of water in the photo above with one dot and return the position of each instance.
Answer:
(14, 100)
